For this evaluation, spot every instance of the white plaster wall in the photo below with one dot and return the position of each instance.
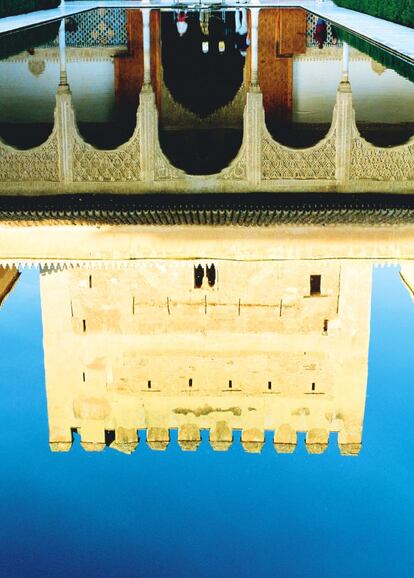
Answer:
(27, 98)
(385, 98)
(93, 89)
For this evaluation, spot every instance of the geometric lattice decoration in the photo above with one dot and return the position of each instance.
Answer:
(317, 162)
(37, 164)
(94, 165)
(311, 21)
(384, 164)
(101, 27)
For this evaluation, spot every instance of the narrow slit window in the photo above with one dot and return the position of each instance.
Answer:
(83, 377)
(84, 325)
(198, 276)
(149, 384)
(90, 281)
(325, 326)
(190, 383)
(313, 386)
(269, 385)
(211, 275)
(230, 384)
(315, 284)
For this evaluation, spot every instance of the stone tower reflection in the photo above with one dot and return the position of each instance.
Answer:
(277, 345)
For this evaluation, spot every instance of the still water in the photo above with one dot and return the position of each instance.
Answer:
(214, 384)
(206, 513)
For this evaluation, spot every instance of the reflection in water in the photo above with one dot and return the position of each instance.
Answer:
(218, 345)
(279, 346)
(239, 318)
(266, 346)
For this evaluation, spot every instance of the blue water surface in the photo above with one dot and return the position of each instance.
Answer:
(207, 514)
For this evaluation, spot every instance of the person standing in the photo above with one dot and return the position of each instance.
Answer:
(182, 24)
(321, 32)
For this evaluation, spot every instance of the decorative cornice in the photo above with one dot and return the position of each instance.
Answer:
(229, 209)
(103, 53)
(330, 53)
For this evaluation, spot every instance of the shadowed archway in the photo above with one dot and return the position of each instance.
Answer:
(202, 83)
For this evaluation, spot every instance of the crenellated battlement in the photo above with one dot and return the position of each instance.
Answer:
(189, 438)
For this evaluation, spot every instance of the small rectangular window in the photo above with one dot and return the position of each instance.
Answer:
(315, 284)
(269, 385)
(230, 383)
(90, 281)
(149, 384)
(325, 326)
(190, 383)
(313, 386)
(84, 325)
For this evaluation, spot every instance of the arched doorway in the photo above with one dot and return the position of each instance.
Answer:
(202, 72)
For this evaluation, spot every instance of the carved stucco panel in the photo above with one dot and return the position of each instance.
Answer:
(279, 162)
(374, 163)
(94, 165)
(237, 170)
(37, 164)
(163, 169)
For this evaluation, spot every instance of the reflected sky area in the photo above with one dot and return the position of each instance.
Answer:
(208, 513)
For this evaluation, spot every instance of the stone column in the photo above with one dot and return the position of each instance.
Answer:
(146, 42)
(254, 112)
(147, 112)
(62, 54)
(254, 44)
(345, 62)
(253, 128)
(344, 131)
(64, 115)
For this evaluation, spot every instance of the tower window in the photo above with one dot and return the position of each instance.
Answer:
(198, 276)
(313, 386)
(90, 281)
(315, 284)
(325, 326)
(190, 383)
(149, 384)
(211, 275)
(84, 325)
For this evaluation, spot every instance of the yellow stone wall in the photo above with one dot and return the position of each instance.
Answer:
(8, 279)
(121, 347)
